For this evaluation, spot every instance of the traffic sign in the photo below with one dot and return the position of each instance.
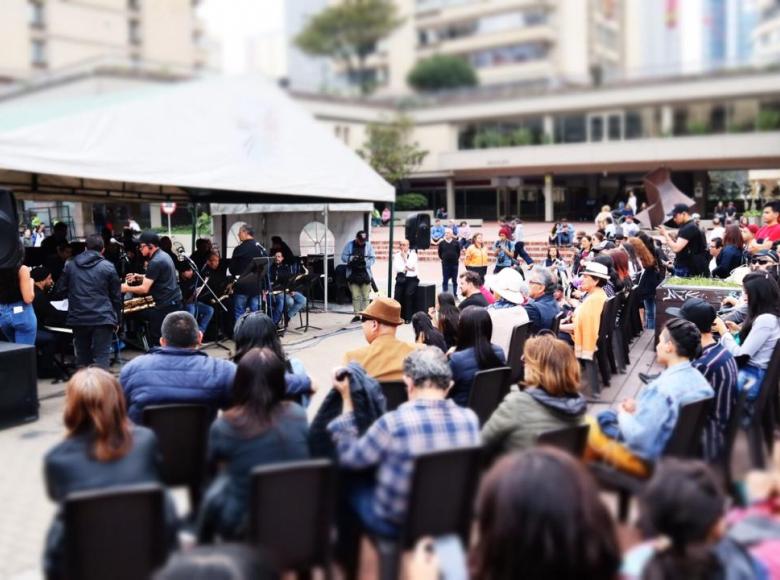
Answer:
(168, 207)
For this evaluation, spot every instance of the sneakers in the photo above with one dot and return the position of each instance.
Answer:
(645, 378)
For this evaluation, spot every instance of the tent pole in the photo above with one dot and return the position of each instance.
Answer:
(325, 264)
(194, 211)
(390, 252)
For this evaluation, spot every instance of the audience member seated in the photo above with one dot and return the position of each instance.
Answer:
(446, 317)
(191, 290)
(731, 255)
(586, 320)
(279, 245)
(259, 429)
(55, 262)
(542, 308)
(683, 509)
(427, 422)
(437, 232)
(758, 334)
(539, 517)
(177, 372)
(474, 352)
(638, 431)
(223, 562)
(425, 332)
(257, 330)
(383, 358)
(510, 291)
(469, 286)
(101, 450)
(551, 399)
(718, 367)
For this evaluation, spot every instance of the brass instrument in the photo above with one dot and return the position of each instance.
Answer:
(137, 304)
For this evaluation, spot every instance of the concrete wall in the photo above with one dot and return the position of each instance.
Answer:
(14, 38)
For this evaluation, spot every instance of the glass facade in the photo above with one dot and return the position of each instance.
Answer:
(512, 54)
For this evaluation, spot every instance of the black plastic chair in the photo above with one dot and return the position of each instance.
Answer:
(182, 435)
(570, 439)
(488, 390)
(684, 442)
(116, 533)
(441, 501)
(604, 354)
(515, 355)
(760, 431)
(617, 342)
(291, 508)
(556, 325)
(395, 394)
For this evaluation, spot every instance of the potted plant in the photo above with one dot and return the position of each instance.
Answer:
(753, 216)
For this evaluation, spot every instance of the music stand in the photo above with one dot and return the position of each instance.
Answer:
(261, 269)
(204, 284)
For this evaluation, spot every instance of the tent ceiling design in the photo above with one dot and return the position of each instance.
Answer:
(221, 139)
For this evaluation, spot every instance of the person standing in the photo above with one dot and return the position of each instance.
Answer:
(247, 289)
(477, 256)
(359, 257)
(503, 250)
(94, 302)
(406, 280)
(690, 248)
(449, 254)
(631, 202)
(520, 251)
(159, 281)
(17, 316)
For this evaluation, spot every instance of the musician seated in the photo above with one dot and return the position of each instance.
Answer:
(279, 245)
(177, 372)
(191, 290)
(48, 343)
(203, 249)
(285, 298)
(55, 263)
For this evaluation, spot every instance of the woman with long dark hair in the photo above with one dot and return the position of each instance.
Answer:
(257, 330)
(17, 317)
(447, 318)
(732, 254)
(759, 333)
(260, 428)
(476, 258)
(425, 333)
(649, 279)
(102, 449)
(474, 352)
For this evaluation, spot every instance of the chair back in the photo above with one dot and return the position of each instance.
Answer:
(685, 440)
(767, 401)
(569, 439)
(488, 390)
(556, 325)
(182, 434)
(395, 394)
(116, 533)
(607, 322)
(441, 499)
(514, 357)
(291, 509)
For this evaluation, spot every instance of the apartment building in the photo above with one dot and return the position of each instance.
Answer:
(766, 36)
(37, 36)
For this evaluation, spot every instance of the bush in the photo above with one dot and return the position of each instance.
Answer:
(411, 201)
(768, 120)
(441, 72)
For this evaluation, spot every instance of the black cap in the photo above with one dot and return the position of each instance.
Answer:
(679, 208)
(149, 238)
(696, 310)
(361, 235)
(40, 273)
(767, 254)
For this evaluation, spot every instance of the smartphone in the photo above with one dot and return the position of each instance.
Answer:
(451, 556)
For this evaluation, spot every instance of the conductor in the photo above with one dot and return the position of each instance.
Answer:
(246, 288)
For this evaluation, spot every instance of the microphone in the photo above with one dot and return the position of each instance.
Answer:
(117, 242)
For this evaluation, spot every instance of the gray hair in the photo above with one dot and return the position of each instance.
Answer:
(545, 277)
(247, 229)
(428, 364)
(180, 329)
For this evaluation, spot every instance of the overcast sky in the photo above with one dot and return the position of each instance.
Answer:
(232, 22)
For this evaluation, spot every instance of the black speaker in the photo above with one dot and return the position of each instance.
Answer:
(418, 231)
(19, 378)
(11, 250)
(424, 297)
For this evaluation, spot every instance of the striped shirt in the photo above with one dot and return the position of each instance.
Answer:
(393, 441)
(720, 369)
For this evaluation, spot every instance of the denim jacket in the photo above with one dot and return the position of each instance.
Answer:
(503, 253)
(647, 430)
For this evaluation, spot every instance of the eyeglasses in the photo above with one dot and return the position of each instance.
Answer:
(763, 262)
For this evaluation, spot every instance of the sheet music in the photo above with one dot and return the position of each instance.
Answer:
(61, 305)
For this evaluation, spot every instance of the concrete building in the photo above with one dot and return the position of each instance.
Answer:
(766, 36)
(37, 36)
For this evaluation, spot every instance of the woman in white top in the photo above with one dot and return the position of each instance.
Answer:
(406, 281)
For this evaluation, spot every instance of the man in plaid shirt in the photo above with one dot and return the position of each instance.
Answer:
(427, 422)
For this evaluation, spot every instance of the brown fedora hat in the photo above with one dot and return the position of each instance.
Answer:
(384, 310)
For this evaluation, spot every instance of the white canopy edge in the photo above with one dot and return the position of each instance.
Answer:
(251, 208)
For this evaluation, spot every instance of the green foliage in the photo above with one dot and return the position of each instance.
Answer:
(752, 213)
(349, 32)
(768, 120)
(390, 152)
(411, 201)
(698, 128)
(441, 72)
(204, 224)
(521, 137)
(486, 138)
(699, 281)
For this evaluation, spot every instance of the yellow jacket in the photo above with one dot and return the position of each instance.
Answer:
(383, 359)
(476, 257)
(587, 319)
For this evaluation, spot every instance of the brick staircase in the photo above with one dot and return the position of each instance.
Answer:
(537, 251)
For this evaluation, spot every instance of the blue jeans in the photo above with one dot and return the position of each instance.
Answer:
(202, 313)
(449, 272)
(361, 501)
(682, 271)
(277, 307)
(750, 379)
(92, 345)
(295, 303)
(241, 301)
(18, 322)
(650, 313)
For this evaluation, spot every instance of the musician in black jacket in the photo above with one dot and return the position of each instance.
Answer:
(286, 299)
(191, 290)
(246, 291)
(48, 343)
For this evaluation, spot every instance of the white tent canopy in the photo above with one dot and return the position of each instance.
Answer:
(221, 138)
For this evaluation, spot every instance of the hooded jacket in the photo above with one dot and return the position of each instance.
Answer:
(524, 415)
(92, 287)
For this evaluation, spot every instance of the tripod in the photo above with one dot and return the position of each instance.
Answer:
(204, 284)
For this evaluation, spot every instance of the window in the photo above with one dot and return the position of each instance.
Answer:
(570, 129)
(134, 31)
(512, 54)
(133, 4)
(37, 14)
(38, 50)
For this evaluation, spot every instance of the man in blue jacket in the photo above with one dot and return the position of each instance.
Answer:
(543, 308)
(177, 372)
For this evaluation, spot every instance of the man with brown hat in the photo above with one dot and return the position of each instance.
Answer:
(383, 358)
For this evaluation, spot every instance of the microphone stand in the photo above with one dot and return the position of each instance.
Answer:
(204, 284)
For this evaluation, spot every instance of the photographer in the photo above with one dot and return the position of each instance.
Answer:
(359, 257)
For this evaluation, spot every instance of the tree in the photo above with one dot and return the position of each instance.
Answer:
(441, 72)
(390, 152)
(349, 32)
